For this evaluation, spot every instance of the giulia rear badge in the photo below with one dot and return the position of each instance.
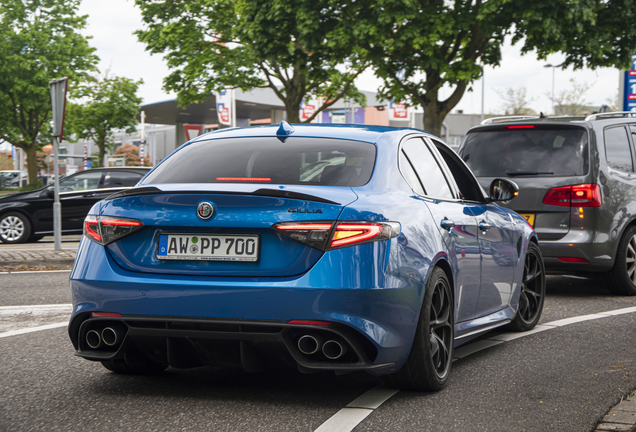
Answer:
(205, 210)
(303, 210)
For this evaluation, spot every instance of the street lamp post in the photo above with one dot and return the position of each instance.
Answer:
(553, 67)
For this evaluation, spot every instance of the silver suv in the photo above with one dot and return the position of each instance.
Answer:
(577, 187)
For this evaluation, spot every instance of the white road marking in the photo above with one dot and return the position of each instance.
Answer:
(373, 398)
(348, 418)
(344, 420)
(36, 271)
(12, 310)
(32, 329)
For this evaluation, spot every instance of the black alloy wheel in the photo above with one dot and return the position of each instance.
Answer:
(429, 363)
(621, 279)
(532, 293)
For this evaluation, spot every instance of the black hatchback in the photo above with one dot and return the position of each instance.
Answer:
(28, 216)
(577, 187)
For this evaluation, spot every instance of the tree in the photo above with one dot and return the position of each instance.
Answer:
(103, 105)
(131, 152)
(516, 101)
(289, 46)
(39, 40)
(571, 102)
(418, 47)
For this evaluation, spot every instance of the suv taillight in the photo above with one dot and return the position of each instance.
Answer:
(333, 235)
(583, 195)
(107, 229)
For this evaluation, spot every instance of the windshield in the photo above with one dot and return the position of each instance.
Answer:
(527, 152)
(310, 161)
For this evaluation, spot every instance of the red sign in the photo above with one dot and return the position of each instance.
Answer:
(632, 73)
(224, 114)
(308, 111)
(400, 111)
(631, 97)
(192, 131)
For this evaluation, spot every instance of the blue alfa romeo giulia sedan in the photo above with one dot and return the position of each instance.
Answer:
(321, 247)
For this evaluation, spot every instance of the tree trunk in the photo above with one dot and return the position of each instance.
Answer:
(293, 115)
(102, 152)
(32, 162)
(433, 118)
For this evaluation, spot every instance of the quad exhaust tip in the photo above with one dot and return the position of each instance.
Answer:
(93, 339)
(309, 344)
(333, 350)
(110, 336)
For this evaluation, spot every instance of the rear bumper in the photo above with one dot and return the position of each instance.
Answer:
(382, 316)
(577, 244)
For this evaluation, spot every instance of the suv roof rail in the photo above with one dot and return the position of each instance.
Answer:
(508, 118)
(610, 114)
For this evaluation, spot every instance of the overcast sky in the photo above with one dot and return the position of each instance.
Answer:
(112, 22)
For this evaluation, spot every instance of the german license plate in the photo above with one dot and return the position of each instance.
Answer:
(529, 217)
(208, 247)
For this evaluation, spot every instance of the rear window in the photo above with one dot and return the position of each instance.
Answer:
(527, 152)
(310, 161)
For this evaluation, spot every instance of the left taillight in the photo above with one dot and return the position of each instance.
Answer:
(333, 235)
(107, 229)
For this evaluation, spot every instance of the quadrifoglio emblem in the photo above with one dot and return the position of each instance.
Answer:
(205, 210)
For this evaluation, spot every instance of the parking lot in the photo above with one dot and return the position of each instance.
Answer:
(565, 377)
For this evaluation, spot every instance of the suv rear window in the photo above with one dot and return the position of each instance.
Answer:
(533, 152)
(310, 161)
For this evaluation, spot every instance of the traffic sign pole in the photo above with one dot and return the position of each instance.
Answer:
(58, 104)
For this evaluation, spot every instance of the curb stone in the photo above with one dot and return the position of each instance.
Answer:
(620, 418)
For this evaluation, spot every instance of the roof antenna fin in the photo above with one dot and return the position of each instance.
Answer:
(285, 128)
(542, 116)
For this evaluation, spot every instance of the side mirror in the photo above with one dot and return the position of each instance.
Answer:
(502, 190)
(50, 191)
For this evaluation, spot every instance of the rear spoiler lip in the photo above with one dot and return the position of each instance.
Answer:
(275, 193)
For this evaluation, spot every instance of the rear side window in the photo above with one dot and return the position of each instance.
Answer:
(546, 151)
(427, 169)
(311, 161)
(617, 149)
(122, 179)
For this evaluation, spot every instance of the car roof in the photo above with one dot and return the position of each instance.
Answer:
(591, 121)
(365, 133)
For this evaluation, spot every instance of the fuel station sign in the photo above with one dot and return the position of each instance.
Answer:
(629, 87)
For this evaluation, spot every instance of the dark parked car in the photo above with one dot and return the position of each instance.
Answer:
(28, 216)
(317, 247)
(577, 183)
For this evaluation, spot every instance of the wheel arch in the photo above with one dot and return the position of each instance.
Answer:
(17, 210)
(443, 264)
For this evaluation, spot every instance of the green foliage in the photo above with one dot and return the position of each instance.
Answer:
(131, 152)
(292, 46)
(101, 106)
(417, 47)
(39, 40)
(32, 186)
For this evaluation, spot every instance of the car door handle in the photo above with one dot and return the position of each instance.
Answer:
(90, 194)
(447, 224)
(484, 226)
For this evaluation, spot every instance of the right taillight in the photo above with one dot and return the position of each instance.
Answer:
(333, 235)
(107, 229)
(583, 195)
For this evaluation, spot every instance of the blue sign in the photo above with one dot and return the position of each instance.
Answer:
(629, 89)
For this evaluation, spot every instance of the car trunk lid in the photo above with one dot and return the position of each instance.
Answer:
(241, 213)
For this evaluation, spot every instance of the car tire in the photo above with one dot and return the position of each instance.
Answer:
(532, 295)
(621, 279)
(14, 228)
(123, 367)
(429, 363)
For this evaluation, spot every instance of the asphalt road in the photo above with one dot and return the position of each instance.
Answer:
(563, 379)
